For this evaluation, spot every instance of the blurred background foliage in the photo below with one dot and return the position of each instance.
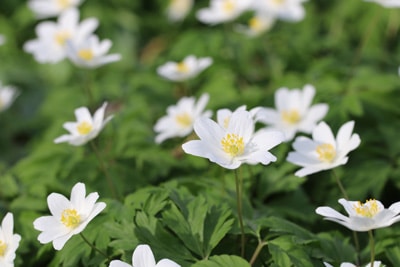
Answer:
(183, 206)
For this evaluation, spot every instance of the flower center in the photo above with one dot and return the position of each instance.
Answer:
(70, 218)
(84, 128)
(64, 3)
(233, 144)
(291, 116)
(369, 209)
(255, 23)
(86, 54)
(3, 248)
(326, 152)
(182, 67)
(184, 119)
(278, 2)
(61, 37)
(228, 6)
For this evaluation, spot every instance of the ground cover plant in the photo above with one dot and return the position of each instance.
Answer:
(199, 133)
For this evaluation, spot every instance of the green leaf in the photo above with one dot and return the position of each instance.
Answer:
(223, 261)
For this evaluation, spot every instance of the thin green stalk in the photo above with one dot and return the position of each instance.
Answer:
(93, 247)
(239, 187)
(257, 251)
(372, 246)
(87, 87)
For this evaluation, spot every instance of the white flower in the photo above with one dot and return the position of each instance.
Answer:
(180, 118)
(68, 217)
(50, 46)
(221, 11)
(294, 112)
(362, 216)
(143, 257)
(288, 10)
(51, 8)
(9, 242)
(2, 39)
(347, 264)
(91, 53)
(238, 143)
(224, 115)
(257, 25)
(180, 71)
(177, 10)
(386, 3)
(7, 96)
(323, 152)
(85, 128)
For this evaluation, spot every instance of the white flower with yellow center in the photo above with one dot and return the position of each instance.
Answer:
(51, 8)
(294, 112)
(257, 25)
(143, 257)
(224, 115)
(347, 264)
(68, 217)
(288, 10)
(52, 37)
(362, 217)
(188, 68)
(323, 151)
(9, 241)
(91, 52)
(238, 143)
(85, 128)
(7, 96)
(180, 118)
(177, 10)
(221, 11)
(386, 3)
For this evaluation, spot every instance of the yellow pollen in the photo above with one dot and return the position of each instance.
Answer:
(326, 152)
(291, 116)
(70, 218)
(86, 54)
(255, 23)
(233, 144)
(64, 3)
(229, 6)
(278, 2)
(369, 209)
(184, 119)
(61, 37)
(84, 128)
(3, 248)
(182, 67)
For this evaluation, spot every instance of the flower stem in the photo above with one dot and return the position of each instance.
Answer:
(93, 247)
(88, 88)
(372, 245)
(257, 251)
(239, 187)
(104, 170)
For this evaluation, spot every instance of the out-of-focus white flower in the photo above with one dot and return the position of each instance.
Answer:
(180, 118)
(180, 71)
(51, 8)
(2, 39)
(85, 128)
(50, 46)
(362, 216)
(347, 264)
(177, 10)
(294, 112)
(224, 115)
(386, 3)
(238, 143)
(221, 11)
(68, 217)
(7, 96)
(323, 152)
(257, 25)
(91, 53)
(143, 257)
(288, 10)
(9, 241)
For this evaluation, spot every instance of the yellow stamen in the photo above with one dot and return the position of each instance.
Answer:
(3, 248)
(326, 152)
(369, 209)
(182, 67)
(84, 127)
(61, 37)
(70, 218)
(228, 6)
(233, 144)
(86, 54)
(255, 23)
(64, 3)
(291, 116)
(184, 119)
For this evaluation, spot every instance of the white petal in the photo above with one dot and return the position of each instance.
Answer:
(59, 242)
(57, 204)
(167, 263)
(78, 194)
(118, 263)
(83, 114)
(143, 257)
(323, 134)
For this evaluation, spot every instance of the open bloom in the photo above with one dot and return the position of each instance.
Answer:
(143, 257)
(288, 10)
(51, 8)
(221, 11)
(188, 68)
(323, 152)
(238, 143)
(85, 128)
(68, 217)
(7, 96)
(52, 37)
(91, 52)
(386, 3)
(362, 216)
(180, 118)
(177, 10)
(257, 25)
(347, 264)
(293, 112)
(9, 241)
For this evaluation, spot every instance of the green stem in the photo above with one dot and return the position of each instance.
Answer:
(88, 88)
(93, 247)
(372, 245)
(239, 185)
(257, 251)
